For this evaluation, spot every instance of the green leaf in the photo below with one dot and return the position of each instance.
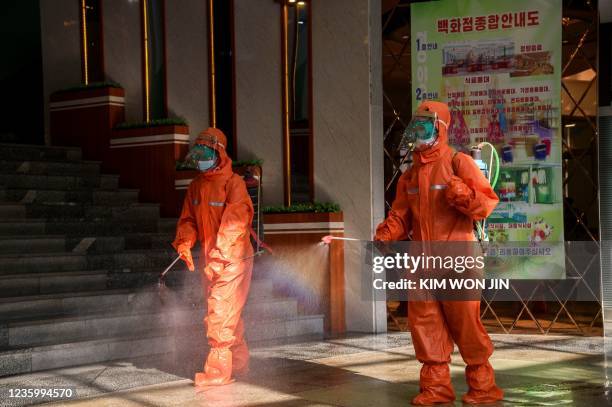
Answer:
(92, 85)
(169, 121)
(306, 207)
(247, 163)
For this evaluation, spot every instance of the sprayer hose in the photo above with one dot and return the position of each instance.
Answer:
(494, 155)
(492, 178)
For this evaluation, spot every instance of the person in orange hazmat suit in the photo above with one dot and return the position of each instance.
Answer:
(438, 199)
(218, 212)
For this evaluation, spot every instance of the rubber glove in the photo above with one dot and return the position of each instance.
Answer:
(458, 193)
(185, 253)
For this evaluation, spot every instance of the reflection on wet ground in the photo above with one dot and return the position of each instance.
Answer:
(357, 370)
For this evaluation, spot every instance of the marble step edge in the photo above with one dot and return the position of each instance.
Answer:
(145, 313)
(77, 236)
(34, 359)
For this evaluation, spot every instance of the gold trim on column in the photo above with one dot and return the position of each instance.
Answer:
(145, 31)
(84, 45)
(285, 78)
(212, 80)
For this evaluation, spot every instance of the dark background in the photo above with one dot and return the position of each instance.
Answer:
(21, 73)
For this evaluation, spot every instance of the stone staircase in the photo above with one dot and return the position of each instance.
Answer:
(79, 262)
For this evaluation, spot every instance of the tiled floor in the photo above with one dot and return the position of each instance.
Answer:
(356, 371)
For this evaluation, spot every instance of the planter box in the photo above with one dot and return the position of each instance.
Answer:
(182, 179)
(303, 268)
(85, 118)
(146, 159)
(147, 134)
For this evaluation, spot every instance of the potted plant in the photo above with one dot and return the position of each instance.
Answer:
(305, 212)
(165, 126)
(93, 89)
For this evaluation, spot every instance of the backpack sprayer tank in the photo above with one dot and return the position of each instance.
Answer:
(476, 154)
(491, 173)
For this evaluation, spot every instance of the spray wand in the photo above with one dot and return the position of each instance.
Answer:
(161, 282)
(256, 254)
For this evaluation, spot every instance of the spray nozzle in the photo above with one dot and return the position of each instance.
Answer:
(328, 239)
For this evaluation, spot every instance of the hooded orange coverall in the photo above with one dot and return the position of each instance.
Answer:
(218, 212)
(437, 200)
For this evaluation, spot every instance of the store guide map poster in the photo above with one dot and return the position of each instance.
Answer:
(498, 66)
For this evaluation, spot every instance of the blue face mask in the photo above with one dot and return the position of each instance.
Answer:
(207, 159)
(206, 165)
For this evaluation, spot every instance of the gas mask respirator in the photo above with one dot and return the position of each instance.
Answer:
(202, 158)
(422, 132)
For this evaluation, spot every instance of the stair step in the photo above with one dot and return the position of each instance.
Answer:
(167, 225)
(153, 258)
(34, 284)
(38, 152)
(90, 301)
(75, 303)
(30, 284)
(10, 211)
(22, 226)
(76, 227)
(50, 262)
(50, 167)
(42, 262)
(87, 244)
(68, 210)
(53, 331)
(32, 244)
(146, 344)
(33, 181)
(96, 196)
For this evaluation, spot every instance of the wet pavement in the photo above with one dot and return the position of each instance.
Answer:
(358, 370)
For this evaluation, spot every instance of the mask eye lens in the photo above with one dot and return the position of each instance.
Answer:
(420, 132)
(208, 153)
(423, 129)
(200, 157)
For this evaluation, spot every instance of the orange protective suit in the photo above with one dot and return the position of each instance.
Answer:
(437, 200)
(218, 212)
